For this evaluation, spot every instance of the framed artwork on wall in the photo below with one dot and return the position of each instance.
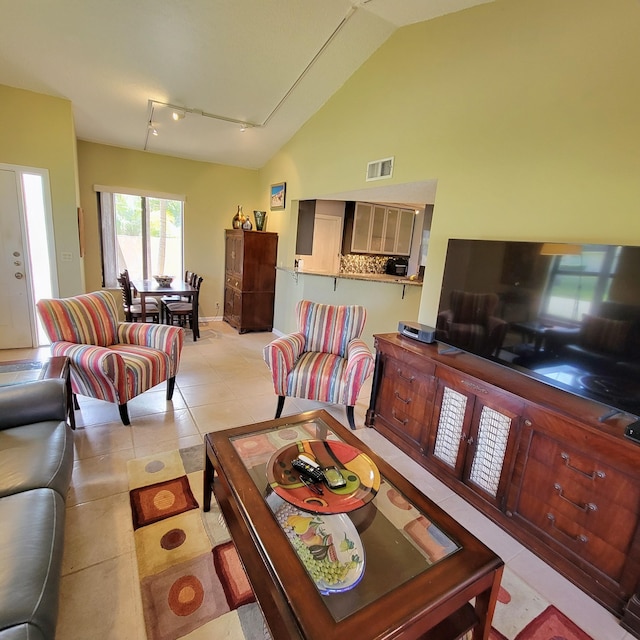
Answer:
(277, 196)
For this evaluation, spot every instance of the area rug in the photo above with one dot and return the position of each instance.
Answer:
(193, 584)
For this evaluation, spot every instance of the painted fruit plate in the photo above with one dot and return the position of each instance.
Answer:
(328, 546)
(360, 472)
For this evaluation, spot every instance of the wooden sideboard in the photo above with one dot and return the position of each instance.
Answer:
(534, 459)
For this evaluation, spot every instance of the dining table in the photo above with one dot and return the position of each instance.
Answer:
(151, 288)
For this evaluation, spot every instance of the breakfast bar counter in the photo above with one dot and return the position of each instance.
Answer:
(369, 277)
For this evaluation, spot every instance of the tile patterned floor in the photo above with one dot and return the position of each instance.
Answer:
(222, 382)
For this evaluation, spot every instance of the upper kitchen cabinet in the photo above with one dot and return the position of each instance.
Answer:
(382, 229)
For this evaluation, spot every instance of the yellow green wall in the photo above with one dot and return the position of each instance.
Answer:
(37, 131)
(212, 194)
(525, 111)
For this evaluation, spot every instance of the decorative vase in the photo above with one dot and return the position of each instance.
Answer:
(247, 225)
(238, 219)
(261, 217)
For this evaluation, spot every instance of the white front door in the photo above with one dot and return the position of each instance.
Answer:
(16, 328)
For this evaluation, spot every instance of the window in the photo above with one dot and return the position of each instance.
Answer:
(142, 233)
(579, 282)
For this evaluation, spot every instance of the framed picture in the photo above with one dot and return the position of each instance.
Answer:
(278, 194)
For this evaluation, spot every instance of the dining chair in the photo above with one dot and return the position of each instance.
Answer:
(151, 302)
(189, 277)
(325, 360)
(133, 311)
(182, 311)
(110, 360)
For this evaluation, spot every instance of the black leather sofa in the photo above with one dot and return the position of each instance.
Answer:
(36, 461)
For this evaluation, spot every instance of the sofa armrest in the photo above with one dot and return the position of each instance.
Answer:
(280, 355)
(33, 402)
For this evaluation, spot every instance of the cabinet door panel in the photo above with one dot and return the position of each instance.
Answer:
(453, 415)
(405, 232)
(493, 440)
(361, 227)
(377, 229)
(390, 231)
(233, 253)
(490, 448)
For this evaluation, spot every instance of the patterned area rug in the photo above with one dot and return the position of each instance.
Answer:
(193, 584)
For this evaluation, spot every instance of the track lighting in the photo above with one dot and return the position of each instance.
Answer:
(178, 114)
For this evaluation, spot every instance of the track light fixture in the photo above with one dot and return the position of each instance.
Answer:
(179, 112)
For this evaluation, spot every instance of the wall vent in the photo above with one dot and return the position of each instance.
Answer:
(380, 169)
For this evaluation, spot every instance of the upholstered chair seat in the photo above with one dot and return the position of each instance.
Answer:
(325, 360)
(110, 360)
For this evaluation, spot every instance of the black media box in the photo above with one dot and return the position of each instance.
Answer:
(420, 332)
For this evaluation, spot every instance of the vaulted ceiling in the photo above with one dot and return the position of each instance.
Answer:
(246, 73)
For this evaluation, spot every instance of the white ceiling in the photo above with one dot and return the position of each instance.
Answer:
(272, 63)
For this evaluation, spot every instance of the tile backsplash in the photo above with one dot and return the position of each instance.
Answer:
(357, 263)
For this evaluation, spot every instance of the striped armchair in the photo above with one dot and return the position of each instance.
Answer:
(325, 360)
(110, 360)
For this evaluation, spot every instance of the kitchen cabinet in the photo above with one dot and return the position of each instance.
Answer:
(250, 278)
(539, 462)
(382, 230)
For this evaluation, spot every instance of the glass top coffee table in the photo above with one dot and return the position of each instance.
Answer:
(373, 559)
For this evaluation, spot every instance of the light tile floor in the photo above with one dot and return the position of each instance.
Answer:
(222, 382)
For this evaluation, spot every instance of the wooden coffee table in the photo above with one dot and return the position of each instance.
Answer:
(421, 567)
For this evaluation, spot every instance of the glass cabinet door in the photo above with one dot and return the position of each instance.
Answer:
(361, 227)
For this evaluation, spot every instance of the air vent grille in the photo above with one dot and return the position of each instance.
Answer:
(380, 169)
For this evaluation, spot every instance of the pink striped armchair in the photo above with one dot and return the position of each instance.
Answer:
(110, 360)
(326, 360)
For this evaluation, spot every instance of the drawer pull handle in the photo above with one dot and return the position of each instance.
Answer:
(401, 421)
(586, 507)
(592, 476)
(407, 401)
(408, 379)
(579, 538)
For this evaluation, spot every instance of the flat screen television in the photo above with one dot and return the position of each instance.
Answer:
(565, 314)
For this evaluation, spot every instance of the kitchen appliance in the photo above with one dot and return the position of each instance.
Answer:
(397, 266)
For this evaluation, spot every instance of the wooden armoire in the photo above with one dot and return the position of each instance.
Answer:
(250, 279)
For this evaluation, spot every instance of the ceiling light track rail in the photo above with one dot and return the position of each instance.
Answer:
(178, 109)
